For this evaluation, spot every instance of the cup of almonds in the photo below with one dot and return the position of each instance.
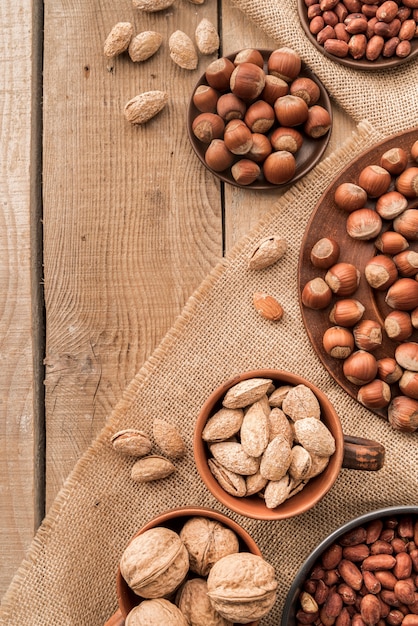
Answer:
(364, 573)
(269, 445)
(188, 566)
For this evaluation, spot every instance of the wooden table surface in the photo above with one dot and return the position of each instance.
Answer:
(106, 229)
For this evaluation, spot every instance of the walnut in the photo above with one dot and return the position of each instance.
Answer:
(193, 601)
(155, 563)
(207, 541)
(157, 611)
(246, 577)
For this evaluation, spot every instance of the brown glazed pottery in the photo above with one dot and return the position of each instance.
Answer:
(351, 452)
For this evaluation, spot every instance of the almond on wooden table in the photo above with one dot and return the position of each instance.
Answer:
(152, 6)
(145, 106)
(118, 39)
(144, 45)
(207, 38)
(182, 50)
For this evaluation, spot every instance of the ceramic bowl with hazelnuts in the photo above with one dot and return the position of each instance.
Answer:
(259, 119)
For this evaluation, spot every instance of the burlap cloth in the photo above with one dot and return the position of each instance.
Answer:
(69, 574)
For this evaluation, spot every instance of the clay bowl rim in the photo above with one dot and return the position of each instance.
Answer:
(253, 506)
(127, 599)
(288, 614)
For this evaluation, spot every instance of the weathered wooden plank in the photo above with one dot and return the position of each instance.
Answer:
(132, 220)
(20, 313)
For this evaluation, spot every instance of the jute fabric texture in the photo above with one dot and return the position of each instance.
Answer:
(68, 577)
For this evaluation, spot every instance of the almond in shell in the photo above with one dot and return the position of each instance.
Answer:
(246, 392)
(145, 106)
(131, 442)
(144, 45)
(207, 38)
(267, 252)
(152, 6)
(182, 50)
(276, 458)
(168, 438)
(223, 424)
(301, 402)
(277, 491)
(118, 39)
(314, 436)
(254, 431)
(232, 455)
(230, 481)
(153, 467)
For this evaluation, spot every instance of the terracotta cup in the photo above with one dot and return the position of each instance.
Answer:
(351, 452)
(175, 519)
(291, 604)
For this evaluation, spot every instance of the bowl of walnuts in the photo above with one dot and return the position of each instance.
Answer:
(269, 445)
(189, 565)
(259, 119)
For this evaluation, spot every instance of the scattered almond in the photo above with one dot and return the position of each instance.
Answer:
(182, 50)
(267, 252)
(131, 442)
(118, 39)
(168, 438)
(153, 467)
(152, 6)
(207, 38)
(267, 306)
(145, 106)
(144, 45)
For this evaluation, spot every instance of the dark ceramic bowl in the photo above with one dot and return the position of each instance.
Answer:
(175, 519)
(291, 604)
(381, 63)
(350, 452)
(306, 158)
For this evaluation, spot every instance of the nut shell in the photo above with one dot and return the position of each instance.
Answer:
(242, 576)
(207, 541)
(157, 611)
(155, 563)
(193, 601)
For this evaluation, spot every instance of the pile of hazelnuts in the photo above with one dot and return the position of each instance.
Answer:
(255, 113)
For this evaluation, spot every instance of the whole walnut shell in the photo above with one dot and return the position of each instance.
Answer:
(158, 611)
(193, 601)
(155, 563)
(207, 541)
(242, 587)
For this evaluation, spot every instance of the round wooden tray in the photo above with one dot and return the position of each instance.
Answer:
(381, 63)
(306, 158)
(328, 220)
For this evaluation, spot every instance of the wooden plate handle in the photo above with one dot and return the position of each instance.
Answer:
(116, 620)
(363, 454)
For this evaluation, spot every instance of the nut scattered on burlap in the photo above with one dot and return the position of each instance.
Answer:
(68, 577)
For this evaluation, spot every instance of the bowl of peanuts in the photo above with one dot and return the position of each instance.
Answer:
(369, 35)
(365, 572)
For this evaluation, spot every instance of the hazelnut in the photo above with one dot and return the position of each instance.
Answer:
(291, 110)
(217, 156)
(318, 122)
(407, 183)
(260, 149)
(391, 204)
(367, 335)
(205, 99)
(380, 272)
(346, 312)
(208, 126)
(230, 107)
(316, 294)
(414, 151)
(408, 384)
(363, 224)
(406, 354)
(305, 88)
(407, 262)
(325, 253)
(407, 224)
(237, 137)
(338, 342)
(246, 172)
(279, 167)
(394, 160)
(259, 117)
(249, 55)
(403, 294)
(283, 138)
(374, 395)
(284, 63)
(274, 88)
(389, 370)
(390, 242)
(343, 278)
(360, 367)
(403, 414)
(398, 325)
(247, 81)
(218, 73)
(349, 196)
(375, 180)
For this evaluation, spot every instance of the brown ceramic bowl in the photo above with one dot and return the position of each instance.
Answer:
(350, 452)
(292, 604)
(306, 158)
(175, 519)
(381, 63)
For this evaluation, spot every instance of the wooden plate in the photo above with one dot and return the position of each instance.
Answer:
(381, 63)
(306, 158)
(328, 220)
